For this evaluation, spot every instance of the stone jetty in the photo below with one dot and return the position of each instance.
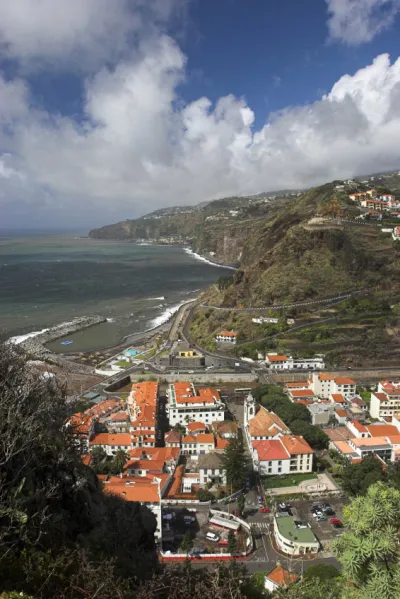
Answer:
(34, 346)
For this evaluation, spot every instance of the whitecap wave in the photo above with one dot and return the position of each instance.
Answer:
(166, 315)
(110, 319)
(198, 257)
(21, 338)
(153, 299)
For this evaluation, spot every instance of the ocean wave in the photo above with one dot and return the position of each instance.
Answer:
(153, 299)
(21, 338)
(198, 257)
(110, 319)
(165, 316)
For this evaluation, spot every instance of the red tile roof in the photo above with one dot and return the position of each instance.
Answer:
(344, 380)
(271, 450)
(113, 440)
(301, 393)
(276, 358)
(382, 430)
(295, 444)
(282, 577)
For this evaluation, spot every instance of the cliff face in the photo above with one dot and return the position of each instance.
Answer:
(287, 250)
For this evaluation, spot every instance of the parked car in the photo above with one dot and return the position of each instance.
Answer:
(320, 517)
(264, 510)
(328, 511)
(212, 536)
(260, 500)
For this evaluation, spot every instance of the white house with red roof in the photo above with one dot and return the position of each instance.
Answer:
(324, 385)
(226, 337)
(290, 454)
(186, 404)
(282, 362)
(385, 402)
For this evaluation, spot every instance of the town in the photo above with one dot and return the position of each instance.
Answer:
(226, 477)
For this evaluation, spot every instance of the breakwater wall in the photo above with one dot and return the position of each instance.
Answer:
(35, 345)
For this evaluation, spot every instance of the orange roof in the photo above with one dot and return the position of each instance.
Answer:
(176, 485)
(227, 334)
(276, 358)
(109, 439)
(391, 387)
(221, 443)
(295, 444)
(196, 426)
(119, 417)
(381, 396)
(184, 394)
(270, 450)
(382, 430)
(337, 397)
(305, 402)
(150, 465)
(341, 413)
(266, 424)
(359, 427)
(173, 437)
(370, 441)
(281, 576)
(189, 439)
(344, 447)
(143, 492)
(205, 438)
(394, 439)
(343, 380)
(301, 393)
(325, 377)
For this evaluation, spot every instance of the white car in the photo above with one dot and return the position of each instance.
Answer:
(212, 536)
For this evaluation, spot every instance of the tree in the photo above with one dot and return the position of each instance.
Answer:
(204, 495)
(312, 434)
(240, 504)
(203, 583)
(187, 542)
(235, 462)
(370, 550)
(60, 535)
(356, 478)
(231, 542)
(323, 572)
(120, 459)
(99, 456)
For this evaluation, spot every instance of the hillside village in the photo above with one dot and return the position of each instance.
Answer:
(167, 446)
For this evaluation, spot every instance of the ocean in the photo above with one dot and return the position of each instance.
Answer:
(48, 279)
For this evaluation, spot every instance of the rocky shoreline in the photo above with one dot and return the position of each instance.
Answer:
(35, 346)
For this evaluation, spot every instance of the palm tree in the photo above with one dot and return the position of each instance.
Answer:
(120, 459)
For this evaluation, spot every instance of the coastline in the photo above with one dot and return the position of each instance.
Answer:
(35, 342)
(197, 256)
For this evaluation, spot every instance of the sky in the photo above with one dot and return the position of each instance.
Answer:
(112, 109)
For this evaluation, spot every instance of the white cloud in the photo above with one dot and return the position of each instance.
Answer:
(139, 148)
(84, 33)
(357, 21)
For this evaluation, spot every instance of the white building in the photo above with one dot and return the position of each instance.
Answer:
(265, 320)
(281, 362)
(226, 337)
(197, 444)
(294, 538)
(386, 400)
(279, 578)
(111, 443)
(262, 424)
(211, 469)
(287, 455)
(185, 405)
(325, 385)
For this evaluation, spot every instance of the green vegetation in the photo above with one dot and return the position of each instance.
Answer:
(231, 542)
(241, 503)
(102, 464)
(224, 282)
(123, 363)
(287, 480)
(357, 478)
(323, 572)
(235, 461)
(60, 535)
(187, 542)
(204, 495)
(370, 550)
